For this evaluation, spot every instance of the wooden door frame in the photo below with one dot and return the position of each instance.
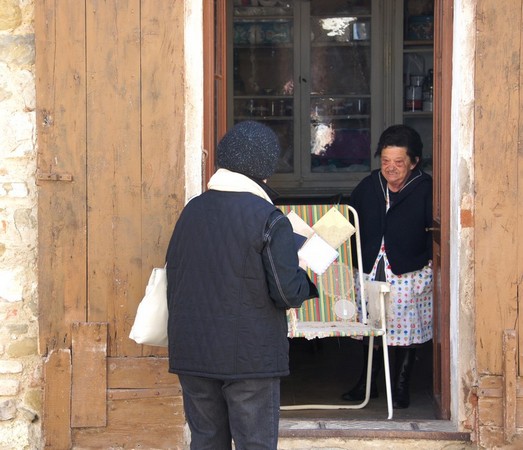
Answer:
(215, 126)
(215, 76)
(443, 43)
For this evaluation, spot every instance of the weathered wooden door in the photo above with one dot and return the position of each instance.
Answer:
(110, 114)
(443, 11)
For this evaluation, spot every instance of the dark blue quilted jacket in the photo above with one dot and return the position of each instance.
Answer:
(232, 272)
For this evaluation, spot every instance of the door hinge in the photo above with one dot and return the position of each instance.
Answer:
(53, 176)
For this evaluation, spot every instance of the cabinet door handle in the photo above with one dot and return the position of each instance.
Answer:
(432, 229)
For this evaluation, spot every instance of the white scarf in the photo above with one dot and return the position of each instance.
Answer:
(225, 180)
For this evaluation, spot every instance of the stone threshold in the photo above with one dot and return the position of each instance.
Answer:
(375, 429)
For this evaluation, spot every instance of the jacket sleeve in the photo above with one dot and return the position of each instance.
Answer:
(289, 285)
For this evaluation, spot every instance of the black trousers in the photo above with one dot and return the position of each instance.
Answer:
(220, 411)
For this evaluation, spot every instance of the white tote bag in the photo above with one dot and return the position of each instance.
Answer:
(150, 323)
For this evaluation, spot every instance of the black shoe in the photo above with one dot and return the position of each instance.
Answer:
(405, 357)
(401, 403)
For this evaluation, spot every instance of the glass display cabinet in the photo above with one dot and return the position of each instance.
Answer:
(325, 76)
(418, 78)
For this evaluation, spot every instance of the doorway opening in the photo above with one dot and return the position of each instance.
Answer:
(323, 369)
(331, 366)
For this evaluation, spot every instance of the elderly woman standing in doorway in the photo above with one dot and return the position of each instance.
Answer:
(394, 204)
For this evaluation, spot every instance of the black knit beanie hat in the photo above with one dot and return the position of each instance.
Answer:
(249, 148)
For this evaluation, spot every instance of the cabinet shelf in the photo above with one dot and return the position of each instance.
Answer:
(251, 20)
(352, 43)
(354, 13)
(246, 18)
(418, 43)
(268, 118)
(267, 96)
(261, 12)
(420, 114)
(270, 46)
(418, 49)
(327, 117)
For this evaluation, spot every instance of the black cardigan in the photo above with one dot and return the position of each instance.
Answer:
(407, 242)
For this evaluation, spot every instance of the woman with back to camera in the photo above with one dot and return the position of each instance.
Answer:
(394, 205)
(232, 273)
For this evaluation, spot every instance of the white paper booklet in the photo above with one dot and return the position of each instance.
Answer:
(334, 228)
(299, 226)
(317, 254)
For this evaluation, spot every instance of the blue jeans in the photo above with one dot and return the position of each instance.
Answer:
(220, 411)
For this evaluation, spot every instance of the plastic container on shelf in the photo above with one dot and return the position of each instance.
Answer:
(361, 31)
(414, 94)
(416, 80)
(413, 64)
(428, 92)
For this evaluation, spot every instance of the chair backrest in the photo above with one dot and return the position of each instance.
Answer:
(337, 286)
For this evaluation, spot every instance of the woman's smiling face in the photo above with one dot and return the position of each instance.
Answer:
(396, 166)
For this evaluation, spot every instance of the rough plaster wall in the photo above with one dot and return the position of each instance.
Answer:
(463, 371)
(20, 369)
(193, 98)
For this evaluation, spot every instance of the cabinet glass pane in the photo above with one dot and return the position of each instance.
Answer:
(418, 63)
(340, 96)
(263, 74)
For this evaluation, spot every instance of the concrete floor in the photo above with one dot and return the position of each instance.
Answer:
(323, 369)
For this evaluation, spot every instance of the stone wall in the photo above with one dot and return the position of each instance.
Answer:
(20, 365)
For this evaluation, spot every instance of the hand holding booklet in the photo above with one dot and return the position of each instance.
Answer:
(299, 240)
(317, 254)
(314, 251)
(299, 226)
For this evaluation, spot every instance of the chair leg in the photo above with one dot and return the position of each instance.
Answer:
(388, 384)
(405, 358)
(357, 393)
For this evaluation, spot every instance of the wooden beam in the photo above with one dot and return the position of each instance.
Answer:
(61, 135)
(509, 384)
(57, 409)
(140, 373)
(162, 117)
(519, 202)
(497, 119)
(153, 422)
(130, 394)
(89, 380)
(114, 171)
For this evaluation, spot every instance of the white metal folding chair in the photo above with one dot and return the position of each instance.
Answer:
(335, 312)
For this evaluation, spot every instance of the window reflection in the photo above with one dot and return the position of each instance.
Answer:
(340, 92)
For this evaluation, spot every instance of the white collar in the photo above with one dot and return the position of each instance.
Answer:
(225, 180)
